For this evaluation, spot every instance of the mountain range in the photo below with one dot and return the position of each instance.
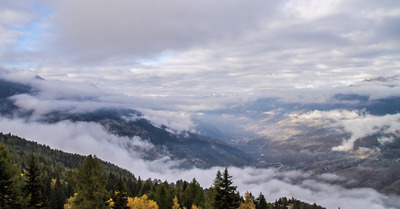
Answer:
(351, 135)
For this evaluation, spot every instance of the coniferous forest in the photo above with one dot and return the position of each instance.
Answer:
(36, 176)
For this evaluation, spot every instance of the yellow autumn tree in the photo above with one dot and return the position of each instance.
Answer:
(110, 202)
(176, 204)
(141, 203)
(70, 202)
(194, 207)
(248, 202)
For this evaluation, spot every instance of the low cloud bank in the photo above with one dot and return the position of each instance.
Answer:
(366, 125)
(358, 123)
(176, 122)
(88, 138)
(91, 138)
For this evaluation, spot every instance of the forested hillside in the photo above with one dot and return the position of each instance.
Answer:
(35, 176)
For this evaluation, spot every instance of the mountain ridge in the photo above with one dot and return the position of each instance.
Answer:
(288, 136)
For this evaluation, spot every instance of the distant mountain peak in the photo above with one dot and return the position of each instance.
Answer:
(383, 79)
(38, 77)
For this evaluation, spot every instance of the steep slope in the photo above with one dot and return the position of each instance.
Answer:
(194, 149)
(57, 162)
(8, 89)
(57, 176)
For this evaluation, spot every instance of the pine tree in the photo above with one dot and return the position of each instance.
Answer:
(261, 202)
(45, 189)
(193, 195)
(137, 187)
(7, 173)
(226, 196)
(121, 196)
(210, 197)
(163, 196)
(146, 188)
(33, 185)
(90, 184)
(57, 200)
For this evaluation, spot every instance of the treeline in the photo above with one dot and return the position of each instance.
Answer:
(35, 176)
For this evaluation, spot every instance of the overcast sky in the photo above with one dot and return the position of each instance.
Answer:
(173, 57)
(202, 48)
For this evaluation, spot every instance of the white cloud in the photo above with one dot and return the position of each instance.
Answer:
(303, 186)
(127, 28)
(10, 21)
(206, 56)
(367, 125)
(13, 18)
(176, 122)
(91, 138)
(313, 9)
(335, 115)
(194, 49)
(386, 140)
(358, 123)
(8, 37)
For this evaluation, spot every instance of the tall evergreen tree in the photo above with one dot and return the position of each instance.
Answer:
(261, 202)
(137, 187)
(57, 199)
(33, 185)
(46, 191)
(90, 185)
(193, 195)
(7, 173)
(146, 188)
(164, 196)
(226, 196)
(210, 197)
(121, 196)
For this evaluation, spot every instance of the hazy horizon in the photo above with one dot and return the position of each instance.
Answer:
(191, 64)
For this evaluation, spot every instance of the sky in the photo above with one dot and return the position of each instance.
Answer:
(175, 60)
(225, 50)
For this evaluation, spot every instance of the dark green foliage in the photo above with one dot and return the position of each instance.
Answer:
(55, 162)
(163, 196)
(111, 182)
(260, 202)
(46, 181)
(7, 182)
(52, 176)
(147, 188)
(120, 196)
(226, 196)
(136, 187)
(193, 195)
(33, 187)
(210, 194)
(90, 184)
(57, 199)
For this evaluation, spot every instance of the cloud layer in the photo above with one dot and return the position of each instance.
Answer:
(203, 49)
(358, 123)
(181, 58)
(91, 138)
